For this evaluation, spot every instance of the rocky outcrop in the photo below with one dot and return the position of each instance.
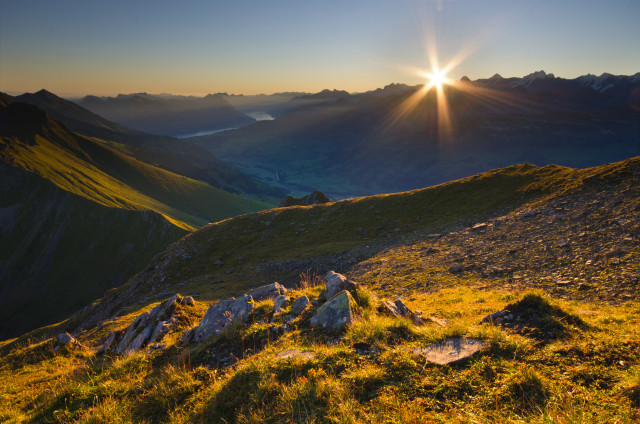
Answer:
(336, 313)
(269, 291)
(399, 309)
(280, 303)
(148, 328)
(220, 316)
(336, 283)
(226, 312)
(317, 197)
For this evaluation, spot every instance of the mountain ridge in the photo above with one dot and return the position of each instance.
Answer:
(169, 153)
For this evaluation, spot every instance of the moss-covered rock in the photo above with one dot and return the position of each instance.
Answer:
(336, 313)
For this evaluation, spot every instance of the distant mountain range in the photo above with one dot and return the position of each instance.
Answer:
(395, 138)
(168, 114)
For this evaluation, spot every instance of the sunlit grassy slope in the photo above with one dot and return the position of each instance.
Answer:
(228, 257)
(91, 169)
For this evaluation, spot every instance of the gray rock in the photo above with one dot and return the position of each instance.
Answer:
(299, 305)
(399, 309)
(408, 313)
(270, 291)
(450, 351)
(280, 303)
(335, 283)
(162, 328)
(139, 341)
(132, 331)
(388, 308)
(188, 301)
(66, 338)
(219, 316)
(434, 320)
(336, 312)
(146, 328)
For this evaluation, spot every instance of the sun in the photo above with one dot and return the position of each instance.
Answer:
(437, 79)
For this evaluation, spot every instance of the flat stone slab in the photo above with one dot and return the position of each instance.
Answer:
(294, 353)
(450, 351)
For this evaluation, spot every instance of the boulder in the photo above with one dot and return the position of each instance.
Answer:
(220, 316)
(280, 303)
(399, 309)
(450, 351)
(388, 308)
(188, 301)
(299, 305)
(351, 286)
(270, 291)
(335, 283)
(148, 327)
(336, 312)
(132, 331)
(139, 341)
(66, 338)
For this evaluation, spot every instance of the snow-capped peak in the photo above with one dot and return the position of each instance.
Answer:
(527, 80)
(601, 83)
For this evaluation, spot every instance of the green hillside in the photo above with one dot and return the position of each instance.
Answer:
(554, 246)
(91, 169)
(60, 251)
(278, 244)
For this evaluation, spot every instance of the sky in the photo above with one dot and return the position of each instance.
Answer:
(195, 47)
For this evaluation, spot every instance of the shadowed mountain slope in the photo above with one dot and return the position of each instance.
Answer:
(78, 217)
(169, 153)
(60, 251)
(34, 141)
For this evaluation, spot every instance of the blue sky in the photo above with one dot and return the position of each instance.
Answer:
(74, 47)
